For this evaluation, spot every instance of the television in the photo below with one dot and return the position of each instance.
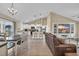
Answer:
(63, 28)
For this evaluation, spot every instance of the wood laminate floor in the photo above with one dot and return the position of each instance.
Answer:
(34, 47)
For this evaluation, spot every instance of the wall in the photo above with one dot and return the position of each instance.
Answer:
(17, 27)
(58, 19)
(49, 22)
(77, 29)
(53, 18)
(42, 21)
(4, 22)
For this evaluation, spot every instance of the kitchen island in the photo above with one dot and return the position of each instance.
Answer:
(3, 49)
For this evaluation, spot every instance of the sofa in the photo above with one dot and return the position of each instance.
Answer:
(57, 45)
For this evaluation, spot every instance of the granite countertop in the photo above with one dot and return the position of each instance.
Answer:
(9, 41)
(13, 39)
(2, 44)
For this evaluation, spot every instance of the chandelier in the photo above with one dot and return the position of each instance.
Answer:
(11, 10)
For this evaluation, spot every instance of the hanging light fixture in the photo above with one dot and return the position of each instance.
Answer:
(11, 10)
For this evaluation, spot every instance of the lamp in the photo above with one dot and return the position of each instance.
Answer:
(11, 10)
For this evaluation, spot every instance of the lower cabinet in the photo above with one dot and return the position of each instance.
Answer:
(3, 50)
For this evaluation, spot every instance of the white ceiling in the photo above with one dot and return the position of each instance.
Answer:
(27, 11)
